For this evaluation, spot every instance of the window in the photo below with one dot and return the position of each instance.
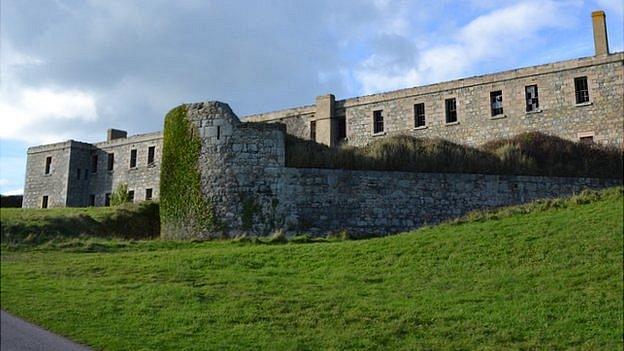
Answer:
(342, 128)
(111, 161)
(152, 150)
(496, 102)
(86, 173)
(419, 115)
(378, 121)
(532, 98)
(131, 196)
(148, 194)
(451, 110)
(94, 163)
(107, 199)
(582, 92)
(313, 130)
(48, 164)
(92, 200)
(218, 132)
(587, 139)
(78, 174)
(44, 201)
(133, 156)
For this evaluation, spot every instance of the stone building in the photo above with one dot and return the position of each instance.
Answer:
(580, 99)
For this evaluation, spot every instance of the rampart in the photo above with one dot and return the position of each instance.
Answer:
(244, 177)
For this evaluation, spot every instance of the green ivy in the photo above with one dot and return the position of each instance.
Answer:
(184, 212)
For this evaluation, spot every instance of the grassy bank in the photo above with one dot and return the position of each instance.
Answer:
(546, 276)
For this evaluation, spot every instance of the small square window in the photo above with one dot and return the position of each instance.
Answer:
(378, 121)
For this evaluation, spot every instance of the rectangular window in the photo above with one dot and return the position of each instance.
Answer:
(532, 98)
(78, 173)
(131, 196)
(107, 199)
(496, 102)
(86, 174)
(133, 158)
(48, 164)
(451, 110)
(111, 161)
(419, 115)
(218, 132)
(148, 194)
(313, 130)
(44, 201)
(94, 163)
(581, 89)
(151, 151)
(92, 200)
(378, 121)
(342, 128)
(587, 139)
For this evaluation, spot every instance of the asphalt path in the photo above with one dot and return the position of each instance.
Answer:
(18, 335)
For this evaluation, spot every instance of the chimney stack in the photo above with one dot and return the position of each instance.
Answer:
(113, 134)
(601, 42)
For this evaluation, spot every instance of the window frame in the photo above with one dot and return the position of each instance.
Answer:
(496, 111)
(530, 101)
(94, 163)
(378, 122)
(133, 158)
(111, 161)
(581, 90)
(45, 201)
(149, 193)
(420, 116)
(48, 165)
(448, 112)
(313, 130)
(151, 151)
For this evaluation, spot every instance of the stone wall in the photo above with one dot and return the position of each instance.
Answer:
(54, 184)
(558, 112)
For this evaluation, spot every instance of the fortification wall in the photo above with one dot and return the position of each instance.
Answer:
(52, 184)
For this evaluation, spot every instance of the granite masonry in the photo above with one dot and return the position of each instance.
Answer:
(580, 99)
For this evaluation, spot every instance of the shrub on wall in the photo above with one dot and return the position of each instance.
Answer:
(120, 196)
(184, 212)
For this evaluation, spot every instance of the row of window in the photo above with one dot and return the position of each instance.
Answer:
(450, 107)
(151, 151)
(342, 129)
(107, 197)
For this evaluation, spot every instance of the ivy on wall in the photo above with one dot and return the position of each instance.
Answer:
(184, 212)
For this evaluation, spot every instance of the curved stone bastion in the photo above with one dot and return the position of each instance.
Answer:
(221, 177)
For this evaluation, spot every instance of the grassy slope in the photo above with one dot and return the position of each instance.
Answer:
(550, 279)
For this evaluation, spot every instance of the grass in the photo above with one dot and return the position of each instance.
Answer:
(525, 154)
(540, 276)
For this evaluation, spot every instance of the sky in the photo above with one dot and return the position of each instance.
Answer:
(71, 69)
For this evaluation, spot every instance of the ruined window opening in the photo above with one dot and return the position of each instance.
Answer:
(218, 133)
(107, 199)
(111, 161)
(496, 102)
(148, 194)
(378, 121)
(92, 200)
(342, 128)
(94, 163)
(313, 130)
(451, 110)
(152, 150)
(133, 158)
(44, 201)
(581, 90)
(131, 196)
(419, 115)
(48, 164)
(86, 173)
(587, 139)
(78, 173)
(532, 98)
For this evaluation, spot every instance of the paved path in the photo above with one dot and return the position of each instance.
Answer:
(19, 335)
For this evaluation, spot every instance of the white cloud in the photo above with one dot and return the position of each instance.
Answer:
(13, 192)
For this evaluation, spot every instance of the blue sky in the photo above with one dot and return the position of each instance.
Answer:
(72, 69)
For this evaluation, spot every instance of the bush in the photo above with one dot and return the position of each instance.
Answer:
(120, 196)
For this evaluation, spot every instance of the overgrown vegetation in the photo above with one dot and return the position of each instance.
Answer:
(184, 211)
(27, 227)
(120, 196)
(526, 154)
(540, 276)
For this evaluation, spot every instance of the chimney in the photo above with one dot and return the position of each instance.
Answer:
(113, 134)
(601, 42)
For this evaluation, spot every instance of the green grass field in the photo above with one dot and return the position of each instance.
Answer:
(543, 276)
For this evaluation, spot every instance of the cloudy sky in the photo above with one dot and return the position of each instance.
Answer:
(71, 69)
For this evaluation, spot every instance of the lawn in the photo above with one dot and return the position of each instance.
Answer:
(546, 276)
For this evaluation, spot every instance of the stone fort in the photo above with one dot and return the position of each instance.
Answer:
(579, 99)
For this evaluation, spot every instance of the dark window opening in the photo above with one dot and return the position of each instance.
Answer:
(419, 115)
(148, 194)
(44, 201)
(48, 164)
(131, 196)
(451, 110)
(86, 173)
(152, 150)
(313, 130)
(111, 161)
(94, 163)
(92, 200)
(218, 132)
(133, 158)
(496, 102)
(107, 199)
(587, 139)
(342, 128)
(532, 98)
(78, 173)
(378, 121)
(581, 90)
